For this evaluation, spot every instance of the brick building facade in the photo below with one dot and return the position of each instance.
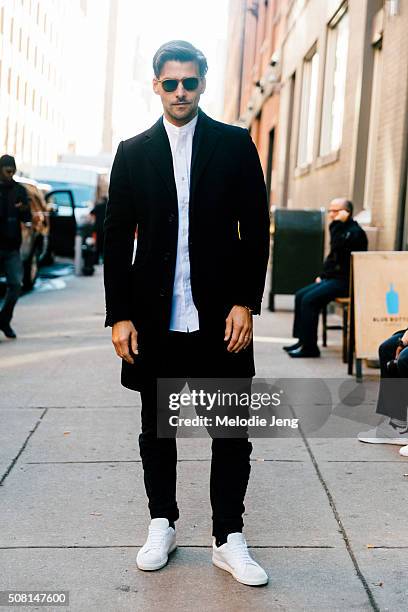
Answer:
(323, 87)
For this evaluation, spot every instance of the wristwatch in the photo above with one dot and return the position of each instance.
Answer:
(401, 344)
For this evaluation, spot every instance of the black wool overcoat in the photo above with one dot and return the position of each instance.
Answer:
(228, 235)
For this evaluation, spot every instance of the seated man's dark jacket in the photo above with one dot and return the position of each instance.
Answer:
(345, 237)
(11, 215)
(228, 235)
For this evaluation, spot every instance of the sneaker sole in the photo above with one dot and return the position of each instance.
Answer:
(227, 568)
(152, 568)
(394, 441)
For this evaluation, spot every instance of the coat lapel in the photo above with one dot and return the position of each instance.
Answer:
(205, 139)
(158, 149)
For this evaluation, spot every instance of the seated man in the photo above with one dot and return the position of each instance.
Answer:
(392, 396)
(346, 236)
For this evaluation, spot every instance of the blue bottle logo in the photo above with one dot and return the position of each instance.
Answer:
(392, 300)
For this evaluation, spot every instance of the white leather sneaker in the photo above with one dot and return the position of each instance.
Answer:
(385, 433)
(404, 451)
(233, 556)
(160, 542)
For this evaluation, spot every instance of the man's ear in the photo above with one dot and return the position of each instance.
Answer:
(156, 85)
(203, 85)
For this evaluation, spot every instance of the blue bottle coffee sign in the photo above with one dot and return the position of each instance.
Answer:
(392, 300)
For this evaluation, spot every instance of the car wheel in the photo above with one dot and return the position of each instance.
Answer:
(31, 266)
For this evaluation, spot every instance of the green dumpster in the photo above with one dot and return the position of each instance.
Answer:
(297, 250)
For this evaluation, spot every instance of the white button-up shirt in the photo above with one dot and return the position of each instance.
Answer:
(184, 314)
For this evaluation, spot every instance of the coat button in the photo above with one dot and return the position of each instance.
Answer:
(166, 256)
(162, 293)
(172, 216)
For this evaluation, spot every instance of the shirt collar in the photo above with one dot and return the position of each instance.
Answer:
(184, 129)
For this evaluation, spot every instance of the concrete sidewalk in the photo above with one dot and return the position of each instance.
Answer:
(325, 516)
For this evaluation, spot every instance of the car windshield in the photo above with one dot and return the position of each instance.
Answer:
(84, 195)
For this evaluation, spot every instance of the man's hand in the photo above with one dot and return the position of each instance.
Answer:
(318, 279)
(124, 337)
(404, 339)
(342, 215)
(238, 329)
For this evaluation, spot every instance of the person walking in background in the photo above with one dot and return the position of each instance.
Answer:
(195, 189)
(14, 210)
(393, 394)
(346, 236)
(98, 213)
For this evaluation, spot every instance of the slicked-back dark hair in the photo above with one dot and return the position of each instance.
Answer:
(180, 51)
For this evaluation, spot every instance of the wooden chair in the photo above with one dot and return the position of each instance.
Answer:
(344, 303)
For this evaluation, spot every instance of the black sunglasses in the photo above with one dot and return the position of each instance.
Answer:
(189, 83)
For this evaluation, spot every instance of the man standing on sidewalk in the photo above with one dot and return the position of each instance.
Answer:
(14, 209)
(195, 190)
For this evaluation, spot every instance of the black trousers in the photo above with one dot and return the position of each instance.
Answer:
(393, 392)
(308, 303)
(13, 267)
(191, 357)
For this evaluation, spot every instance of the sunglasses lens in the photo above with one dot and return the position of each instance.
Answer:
(170, 85)
(190, 84)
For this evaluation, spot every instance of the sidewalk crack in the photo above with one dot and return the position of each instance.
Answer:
(353, 558)
(14, 461)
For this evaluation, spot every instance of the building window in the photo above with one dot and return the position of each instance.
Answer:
(2, 20)
(6, 134)
(9, 81)
(11, 29)
(374, 128)
(15, 139)
(334, 83)
(308, 108)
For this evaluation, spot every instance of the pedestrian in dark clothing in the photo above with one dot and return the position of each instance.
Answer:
(393, 394)
(194, 187)
(14, 210)
(346, 236)
(99, 212)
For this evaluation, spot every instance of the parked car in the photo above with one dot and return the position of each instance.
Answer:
(88, 183)
(66, 221)
(56, 220)
(75, 190)
(36, 234)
